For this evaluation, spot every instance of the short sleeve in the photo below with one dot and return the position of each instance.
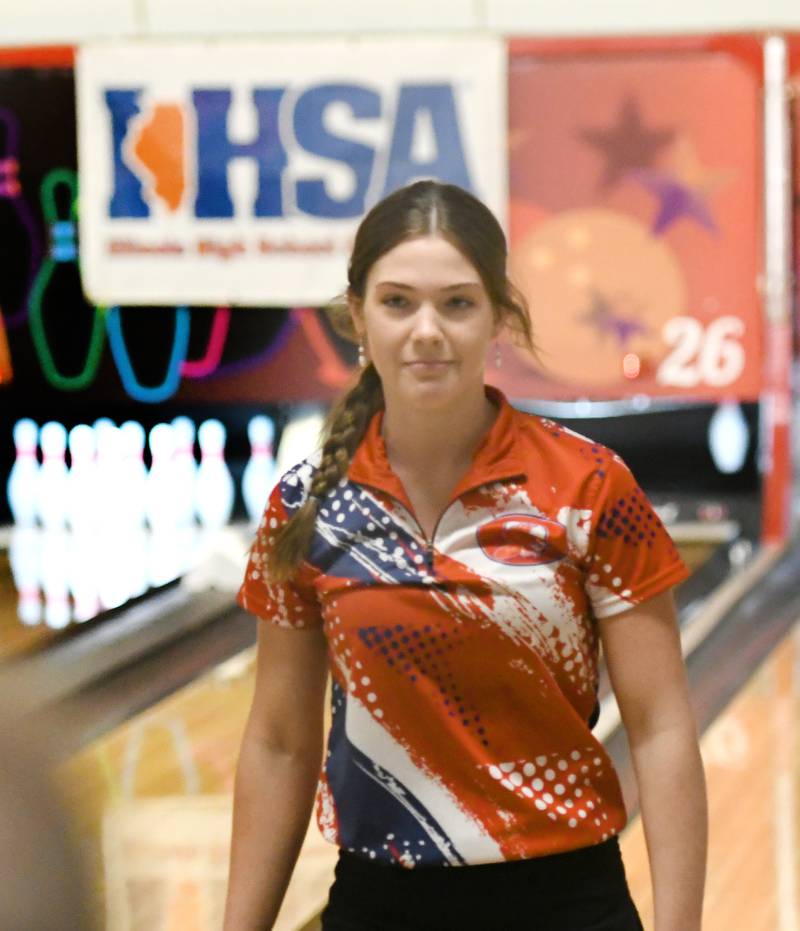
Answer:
(631, 556)
(291, 604)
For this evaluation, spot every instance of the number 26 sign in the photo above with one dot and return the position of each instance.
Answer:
(712, 355)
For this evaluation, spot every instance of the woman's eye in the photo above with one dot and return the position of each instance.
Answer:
(395, 300)
(459, 303)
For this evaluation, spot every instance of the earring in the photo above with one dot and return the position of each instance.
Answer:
(362, 356)
(498, 357)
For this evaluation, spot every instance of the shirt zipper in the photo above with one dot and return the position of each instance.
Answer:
(429, 544)
(413, 516)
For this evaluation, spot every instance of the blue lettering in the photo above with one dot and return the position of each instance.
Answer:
(215, 150)
(434, 102)
(127, 200)
(449, 163)
(309, 130)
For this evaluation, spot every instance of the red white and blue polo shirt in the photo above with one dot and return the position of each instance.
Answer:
(465, 668)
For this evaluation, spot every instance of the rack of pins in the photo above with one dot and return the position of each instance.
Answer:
(94, 527)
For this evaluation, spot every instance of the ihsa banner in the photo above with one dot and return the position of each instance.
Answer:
(237, 171)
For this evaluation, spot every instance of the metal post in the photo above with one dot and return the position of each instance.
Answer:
(775, 451)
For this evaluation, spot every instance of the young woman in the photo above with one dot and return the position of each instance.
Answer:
(456, 565)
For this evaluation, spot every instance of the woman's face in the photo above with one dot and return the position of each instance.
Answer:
(426, 322)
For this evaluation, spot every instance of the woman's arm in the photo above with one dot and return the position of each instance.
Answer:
(277, 773)
(643, 655)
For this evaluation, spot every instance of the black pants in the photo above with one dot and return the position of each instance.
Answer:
(583, 890)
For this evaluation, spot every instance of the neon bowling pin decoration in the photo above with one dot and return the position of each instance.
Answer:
(62, 260)
(18, 222)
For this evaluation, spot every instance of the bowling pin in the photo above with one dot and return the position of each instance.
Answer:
(52, 497)
(185, 468)
(111, 504)
(24, 554)
(112, 562)
(137, 544)
(300, 437)
(82, 573)
(161, 498)
(214, 491)
(259, 473)
(23, 480)
(133, 473)
(82, 499)
(163, 559)
(54, 575)
(728, 437)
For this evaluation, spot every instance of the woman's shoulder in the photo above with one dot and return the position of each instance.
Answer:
(558, 441)
(294, 484)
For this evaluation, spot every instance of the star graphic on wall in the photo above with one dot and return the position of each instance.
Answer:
(628, 144)
(607, 322)
(675, 202)
(685, 165)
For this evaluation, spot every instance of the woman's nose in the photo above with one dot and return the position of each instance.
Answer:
(426, 323)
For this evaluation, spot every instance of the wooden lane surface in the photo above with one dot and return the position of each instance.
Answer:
(751, 755)
(151, 803)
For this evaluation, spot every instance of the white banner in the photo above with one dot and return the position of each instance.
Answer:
(236, 172)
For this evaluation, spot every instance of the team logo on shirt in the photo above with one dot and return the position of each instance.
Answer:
(521, 540)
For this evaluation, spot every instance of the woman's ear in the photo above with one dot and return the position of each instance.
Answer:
(498, 325)
(356, 308)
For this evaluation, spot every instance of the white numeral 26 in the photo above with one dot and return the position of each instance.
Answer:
(712, 356)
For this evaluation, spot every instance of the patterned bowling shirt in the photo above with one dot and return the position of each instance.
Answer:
(465, 667)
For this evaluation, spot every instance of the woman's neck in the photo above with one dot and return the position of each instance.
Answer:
(436, 442)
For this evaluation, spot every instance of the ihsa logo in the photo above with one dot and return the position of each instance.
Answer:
(149, 147)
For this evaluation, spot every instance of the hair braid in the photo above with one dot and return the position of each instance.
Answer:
(342, 431)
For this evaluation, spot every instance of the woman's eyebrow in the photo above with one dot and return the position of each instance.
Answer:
(450, 287)
(463, 284)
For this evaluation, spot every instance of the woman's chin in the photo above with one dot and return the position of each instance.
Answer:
(432, 393)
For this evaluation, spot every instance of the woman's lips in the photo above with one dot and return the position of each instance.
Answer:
(422, 365)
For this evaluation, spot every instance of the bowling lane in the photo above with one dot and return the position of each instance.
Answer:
(58, 587)
(152, 803)
(152, 799)
(706, 549)
(751, 754)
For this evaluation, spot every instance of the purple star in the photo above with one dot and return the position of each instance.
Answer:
(627, 145)
(602, 317)
(676, 201)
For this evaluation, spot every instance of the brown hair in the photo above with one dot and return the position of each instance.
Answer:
(425, 208)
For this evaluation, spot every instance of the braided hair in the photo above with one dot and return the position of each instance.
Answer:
(343, 430)
(424, 208)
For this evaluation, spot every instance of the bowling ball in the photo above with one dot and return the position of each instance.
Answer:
(522, 540)
(600, 286)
